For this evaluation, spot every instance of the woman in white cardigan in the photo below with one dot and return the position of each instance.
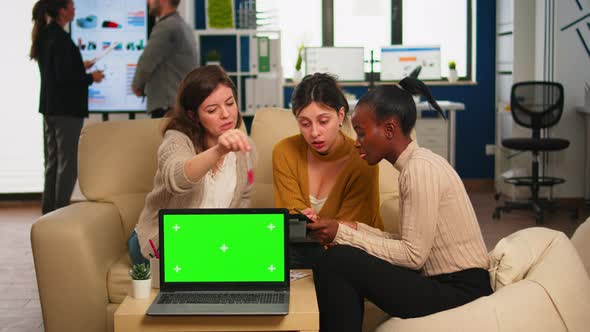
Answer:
(204, 161)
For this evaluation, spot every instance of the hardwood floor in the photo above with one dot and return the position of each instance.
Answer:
(19, 299)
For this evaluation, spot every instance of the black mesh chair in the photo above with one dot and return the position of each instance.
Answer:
(535, 105)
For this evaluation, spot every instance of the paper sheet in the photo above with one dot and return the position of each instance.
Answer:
(295, 275)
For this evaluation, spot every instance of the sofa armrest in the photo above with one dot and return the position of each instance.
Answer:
(73, 248)
(522, 306)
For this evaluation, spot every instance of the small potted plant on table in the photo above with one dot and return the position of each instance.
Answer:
(141, 277)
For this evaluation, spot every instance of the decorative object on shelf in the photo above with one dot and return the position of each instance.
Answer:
(453, 77)
(247, 14)
(213, 58)
(141, 277)
(297, 75)
(220, 14)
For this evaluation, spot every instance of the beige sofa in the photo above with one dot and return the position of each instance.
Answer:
(80, 251)
(81, 259)
(542, 284)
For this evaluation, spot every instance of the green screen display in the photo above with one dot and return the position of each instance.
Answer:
(224, 248)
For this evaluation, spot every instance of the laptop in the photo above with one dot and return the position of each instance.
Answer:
(223, 262)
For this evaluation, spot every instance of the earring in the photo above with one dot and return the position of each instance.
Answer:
(340, 124)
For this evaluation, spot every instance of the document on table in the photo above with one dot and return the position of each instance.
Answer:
(295, 275)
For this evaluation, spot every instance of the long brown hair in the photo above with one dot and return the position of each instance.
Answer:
(192, 91)
(42, 11)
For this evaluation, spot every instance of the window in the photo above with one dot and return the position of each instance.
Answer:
(382, 23)
(357, 24)
(300, 22)
(435, 22)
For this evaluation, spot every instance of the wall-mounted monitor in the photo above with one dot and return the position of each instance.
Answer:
(399, 61)
(348, 63)
(115, 33)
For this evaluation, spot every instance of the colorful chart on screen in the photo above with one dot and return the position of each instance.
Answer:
(113, 33)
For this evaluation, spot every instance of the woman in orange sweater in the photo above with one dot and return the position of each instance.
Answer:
(319, 171)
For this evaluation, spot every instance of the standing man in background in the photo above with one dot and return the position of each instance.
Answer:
(170, 54)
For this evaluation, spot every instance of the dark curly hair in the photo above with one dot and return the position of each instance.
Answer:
(321, 88)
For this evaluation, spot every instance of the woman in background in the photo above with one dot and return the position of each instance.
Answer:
(64, 97)
(204, 161)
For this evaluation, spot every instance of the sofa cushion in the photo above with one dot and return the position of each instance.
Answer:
(522, 306)
(515, 254)
(118, 280)
(563, 276)
(118, 157)
(129, 206)
(268, 127)
(581, 241)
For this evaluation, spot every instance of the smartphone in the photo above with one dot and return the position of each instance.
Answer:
(302, 216)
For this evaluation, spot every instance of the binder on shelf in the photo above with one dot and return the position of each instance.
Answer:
(262, 92)
(250, 99)
(263, 54)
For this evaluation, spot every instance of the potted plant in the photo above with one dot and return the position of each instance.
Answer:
(453, 77)
(141, 277)
(213, 58)
(297, 73)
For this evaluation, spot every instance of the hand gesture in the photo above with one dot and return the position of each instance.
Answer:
(97, 76)
(233, 140)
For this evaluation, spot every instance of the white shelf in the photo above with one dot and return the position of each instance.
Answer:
(225, 32)
(241, 73)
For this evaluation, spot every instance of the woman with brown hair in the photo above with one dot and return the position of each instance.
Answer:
(204, 161)
(318, 171)
(64, 97)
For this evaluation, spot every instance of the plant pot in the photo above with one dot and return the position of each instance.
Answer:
(213, 63)
(453, 77)
(141, 288)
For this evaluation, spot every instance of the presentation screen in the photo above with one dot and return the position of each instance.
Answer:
(114, 34)
(348, 63)
(399, 61)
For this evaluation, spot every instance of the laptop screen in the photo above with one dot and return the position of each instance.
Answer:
(211, 246)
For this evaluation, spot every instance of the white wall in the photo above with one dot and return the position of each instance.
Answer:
(21, 137)
(571, 67)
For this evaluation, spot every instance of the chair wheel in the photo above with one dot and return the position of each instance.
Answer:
(496, 214)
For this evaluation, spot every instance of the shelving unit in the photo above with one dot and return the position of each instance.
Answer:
(236, 56)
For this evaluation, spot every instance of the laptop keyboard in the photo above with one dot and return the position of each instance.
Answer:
(223, 298)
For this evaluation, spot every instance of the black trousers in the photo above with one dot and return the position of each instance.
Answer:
(304, 255)
(61, 135)
(347, 275)
(159, 113)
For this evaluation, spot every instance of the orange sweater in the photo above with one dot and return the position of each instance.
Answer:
(355, 195)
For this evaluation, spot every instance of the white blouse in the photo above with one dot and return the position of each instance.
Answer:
(316, 203)
(219, 188)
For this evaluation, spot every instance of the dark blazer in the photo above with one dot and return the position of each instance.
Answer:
(64, 82)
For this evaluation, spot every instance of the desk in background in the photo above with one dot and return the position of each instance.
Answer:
(431, 131)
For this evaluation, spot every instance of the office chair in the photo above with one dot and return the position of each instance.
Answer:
(535, 105)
